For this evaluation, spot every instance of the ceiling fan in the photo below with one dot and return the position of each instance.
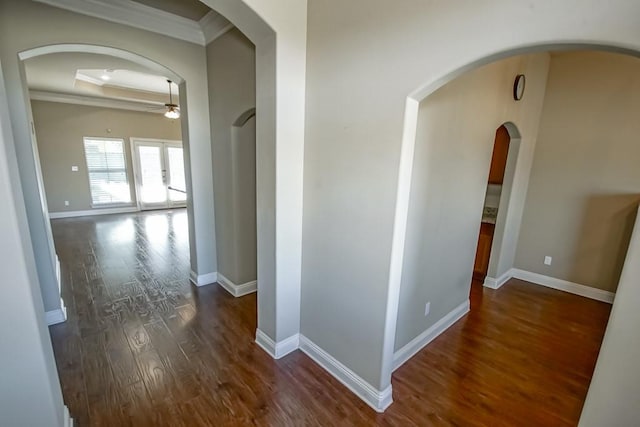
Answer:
(173, 110)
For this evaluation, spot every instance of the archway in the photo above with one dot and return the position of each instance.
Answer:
(520, 182)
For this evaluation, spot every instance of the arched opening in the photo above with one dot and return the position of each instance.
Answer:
(503, 258)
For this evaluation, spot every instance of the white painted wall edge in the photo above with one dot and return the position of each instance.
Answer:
(379, 400)
(90, 212)
(203, 279)
(279, 349)
(421, 341)
(559, 284)
(53, 317)
(67, 421)
(237, 290)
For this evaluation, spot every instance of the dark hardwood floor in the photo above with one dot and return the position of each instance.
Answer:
(142, 347)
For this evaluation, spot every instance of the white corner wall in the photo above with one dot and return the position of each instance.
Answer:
(30, 393)
(278, 29)
(613, 397)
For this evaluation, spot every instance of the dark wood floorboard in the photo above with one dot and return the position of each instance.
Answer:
(142, 347)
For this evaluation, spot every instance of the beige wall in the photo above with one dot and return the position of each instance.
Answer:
(60, 129)
(585, 181)
(231, 72)
(454, 144)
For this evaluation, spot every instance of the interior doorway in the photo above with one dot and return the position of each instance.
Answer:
(491, 202)
(159, 174)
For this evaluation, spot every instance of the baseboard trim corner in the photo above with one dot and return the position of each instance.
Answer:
(203, 279)
(53, 317)
(277, 350)
(379, 400)
(67, 421)
(237, 290)
(496, 283)
(564, 285)
(421, 341)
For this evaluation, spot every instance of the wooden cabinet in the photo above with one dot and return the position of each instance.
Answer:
(483, 252)
(499, 158)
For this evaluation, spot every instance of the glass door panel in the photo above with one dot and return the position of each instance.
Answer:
(176, 179)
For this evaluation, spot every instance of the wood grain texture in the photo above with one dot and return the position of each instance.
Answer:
(142, 347)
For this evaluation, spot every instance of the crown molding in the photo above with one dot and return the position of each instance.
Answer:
(66, 98)
(136, 15)
(213, 26)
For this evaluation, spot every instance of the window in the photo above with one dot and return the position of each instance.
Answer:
(107, 171)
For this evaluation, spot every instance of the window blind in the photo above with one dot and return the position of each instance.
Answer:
(107, 171)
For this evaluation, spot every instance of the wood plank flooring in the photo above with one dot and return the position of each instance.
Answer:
(142, 347)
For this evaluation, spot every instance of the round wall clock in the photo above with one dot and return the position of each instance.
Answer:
(518, 87)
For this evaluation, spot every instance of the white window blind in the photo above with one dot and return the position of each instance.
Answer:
(107, 171)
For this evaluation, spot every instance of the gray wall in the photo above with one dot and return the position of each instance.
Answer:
(231, 71)
(30, 393)
(585, 181)
(60, 129)
(454, 144)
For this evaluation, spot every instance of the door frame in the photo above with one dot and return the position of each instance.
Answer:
(136, 166)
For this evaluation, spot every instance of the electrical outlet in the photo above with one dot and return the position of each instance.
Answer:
(427, 308)
(547, 260)
(74, 169)
(66, 203)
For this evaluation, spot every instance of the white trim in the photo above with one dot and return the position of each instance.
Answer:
(203, 279)
(58, 274)
(401, 216)
(490, 282)
(135, 15)
(278, 349)
(422, 340)
(67, 420)
(563, 285)
(379, 400)
(213, 26)
(59, 315)
(90, 212)
(92, 101)
(237, 290)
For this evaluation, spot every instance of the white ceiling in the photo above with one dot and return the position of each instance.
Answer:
(57, 73)
(125, 79)
(190, 9)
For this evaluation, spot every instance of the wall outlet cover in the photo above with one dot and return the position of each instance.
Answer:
(547, 260)
(74, 169)
(66, 203)
(427, 308)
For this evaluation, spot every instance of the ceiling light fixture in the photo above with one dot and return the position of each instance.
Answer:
(173, 110)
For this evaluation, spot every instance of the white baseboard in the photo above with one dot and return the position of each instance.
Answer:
(203, 279)
(56, 316)
(421, 341)
(490, 282)
(237, 290)
(279, 349)
(379, 400)
(563, 285)
(67, 421)
(90, 212)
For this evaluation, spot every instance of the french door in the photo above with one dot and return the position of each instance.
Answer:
(159, 174)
